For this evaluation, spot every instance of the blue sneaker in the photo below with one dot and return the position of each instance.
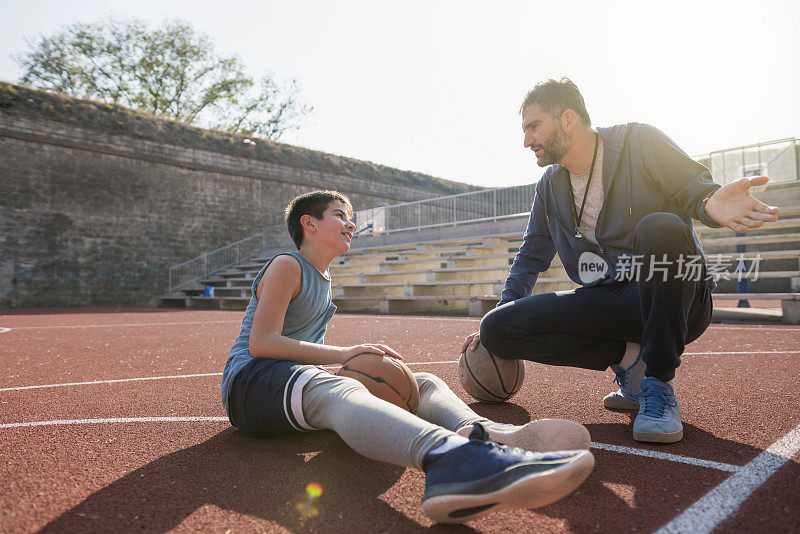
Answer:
(630, 385)
(481, 476)
(659, 418)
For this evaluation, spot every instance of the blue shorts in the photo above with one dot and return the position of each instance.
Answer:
(265, 399)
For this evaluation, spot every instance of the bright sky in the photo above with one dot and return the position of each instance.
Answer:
(434, 86)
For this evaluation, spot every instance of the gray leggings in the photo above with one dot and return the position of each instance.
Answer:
(380, 430)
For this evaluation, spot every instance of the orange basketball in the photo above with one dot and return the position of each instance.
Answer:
(386, 378)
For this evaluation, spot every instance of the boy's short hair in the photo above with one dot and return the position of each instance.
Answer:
(557, 96)
(314, 203)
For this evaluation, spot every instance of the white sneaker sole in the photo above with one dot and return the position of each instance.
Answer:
(533, 491)
(542, 435)
(658, 437)
(620, 404)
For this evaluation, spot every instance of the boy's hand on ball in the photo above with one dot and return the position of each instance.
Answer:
(378, 349)
(473, 340)
(387, 350)
(355, 350)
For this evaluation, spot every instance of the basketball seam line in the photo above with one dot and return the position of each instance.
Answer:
(411, 386)
(500, 375)
(517, 383)
(379, 380)
(411, 382)
(478, 382)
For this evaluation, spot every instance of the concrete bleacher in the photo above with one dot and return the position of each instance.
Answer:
(419, 272)
(445, 276)
(775, 246)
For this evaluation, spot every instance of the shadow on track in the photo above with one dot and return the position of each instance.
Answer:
(265, 479)
(502, 412)
(628, 493)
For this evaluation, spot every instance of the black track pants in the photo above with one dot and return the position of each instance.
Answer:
(588, 327)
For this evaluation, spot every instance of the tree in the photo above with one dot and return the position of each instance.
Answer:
(170, 71)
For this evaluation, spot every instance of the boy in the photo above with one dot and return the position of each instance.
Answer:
(272, 385)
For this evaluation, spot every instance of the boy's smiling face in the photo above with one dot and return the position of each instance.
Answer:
(335, 229)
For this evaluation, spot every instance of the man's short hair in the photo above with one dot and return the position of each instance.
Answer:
(557, 96)
(314, 203)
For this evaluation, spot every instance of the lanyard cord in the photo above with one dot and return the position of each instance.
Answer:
(576, 216)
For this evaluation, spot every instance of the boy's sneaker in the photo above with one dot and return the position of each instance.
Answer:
(541, 435)
(481, 476)
(659, 418)
(630, 385)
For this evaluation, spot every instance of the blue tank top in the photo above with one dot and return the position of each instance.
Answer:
(307, 318)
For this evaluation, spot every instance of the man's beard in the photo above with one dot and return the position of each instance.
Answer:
(554, 148)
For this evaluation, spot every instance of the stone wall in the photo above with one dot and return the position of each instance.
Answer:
(97, 202)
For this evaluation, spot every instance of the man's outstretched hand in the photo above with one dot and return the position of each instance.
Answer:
(733, 206)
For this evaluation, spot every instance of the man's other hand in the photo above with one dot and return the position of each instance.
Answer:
(472, 341)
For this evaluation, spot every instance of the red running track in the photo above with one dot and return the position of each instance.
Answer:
(119, 467)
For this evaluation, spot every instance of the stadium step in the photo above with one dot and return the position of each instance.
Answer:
(465, 275)
(472, 306)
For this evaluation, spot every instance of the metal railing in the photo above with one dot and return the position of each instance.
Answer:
(475, 206)
(209, 263)
(776, 159)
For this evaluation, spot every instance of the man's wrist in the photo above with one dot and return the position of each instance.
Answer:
(704, 215)
(706, 198)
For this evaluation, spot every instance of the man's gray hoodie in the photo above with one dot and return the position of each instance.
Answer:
(644, 172)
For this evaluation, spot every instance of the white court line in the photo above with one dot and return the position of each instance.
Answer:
(194, 419)
(178, 323)
(144, 378)
(709, 353)
(665, 456)
(407, 363)
(113, 381)
(477, 319)
(442, 362)
(624, 450)
(415, 317)
(721, 353)
(734, 353)
(382, 317)
(55, 327)
(757, 328)
(724, 500)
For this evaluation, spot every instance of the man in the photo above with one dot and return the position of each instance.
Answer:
(617, 205)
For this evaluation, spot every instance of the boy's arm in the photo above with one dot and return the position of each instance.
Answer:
(279, 285)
